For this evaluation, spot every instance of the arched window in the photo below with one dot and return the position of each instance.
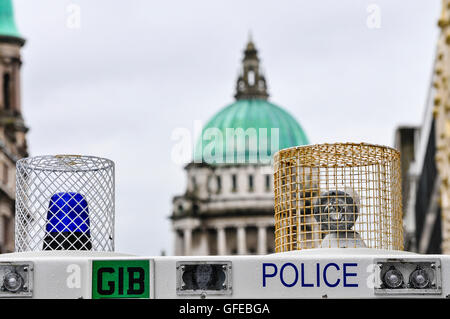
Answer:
(6, 91)
(268, 183)
(219, 184)
(5, 174)
(234, 183)
(250, 183)
(241, 85)
(251, 77)
(7, 224)
(194, 183)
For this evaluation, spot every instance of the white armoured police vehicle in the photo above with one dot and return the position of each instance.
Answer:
(338, 234)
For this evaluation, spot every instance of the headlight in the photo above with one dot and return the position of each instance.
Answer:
(16, 279)
(419, 279)
(408, 276)
(12, 282)
(393, 278)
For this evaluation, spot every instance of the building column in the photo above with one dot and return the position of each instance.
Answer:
(187, 232)
(2, 233)
(204, 247)
(262, 240)
(221, 241)
(241, 241)
(178, 244)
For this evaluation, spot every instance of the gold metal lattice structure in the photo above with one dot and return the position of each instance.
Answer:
(341, 195)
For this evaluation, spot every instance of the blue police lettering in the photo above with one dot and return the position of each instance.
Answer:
(300, 275)
(325, 275)
(282, 272)
(303, 278)
(266, 275)
(347, 274)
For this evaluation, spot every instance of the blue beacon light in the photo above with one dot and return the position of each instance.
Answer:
(68, 226)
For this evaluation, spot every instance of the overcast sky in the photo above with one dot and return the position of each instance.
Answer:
(133, 71)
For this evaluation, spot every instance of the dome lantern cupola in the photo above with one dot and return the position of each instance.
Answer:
(251, 83)
(251, 129)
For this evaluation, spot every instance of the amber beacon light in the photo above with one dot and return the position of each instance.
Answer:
(340, 195)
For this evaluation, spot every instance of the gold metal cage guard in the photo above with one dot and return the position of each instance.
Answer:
(338, 195)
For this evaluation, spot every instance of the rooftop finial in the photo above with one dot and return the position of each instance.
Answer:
(251, 84)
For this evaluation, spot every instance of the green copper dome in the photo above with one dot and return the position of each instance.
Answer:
(251, 130)
(248, 131)
(7, 24)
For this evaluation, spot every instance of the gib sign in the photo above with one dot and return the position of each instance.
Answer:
(120, 279)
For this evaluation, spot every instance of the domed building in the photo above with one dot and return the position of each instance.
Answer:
(228, 206)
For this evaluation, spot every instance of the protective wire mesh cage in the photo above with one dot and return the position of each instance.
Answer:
(64, 202)
(339, 195)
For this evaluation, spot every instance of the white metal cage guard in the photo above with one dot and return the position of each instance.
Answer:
(64, 202)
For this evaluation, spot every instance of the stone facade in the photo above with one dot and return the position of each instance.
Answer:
(13, 145)
(441, 113)
(226, 210)
(426, 159)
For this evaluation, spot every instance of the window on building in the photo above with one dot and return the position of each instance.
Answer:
(234, 183)
(250, 183)
(5, 229)
(3, 235)
(5, 174)
(6, 91)
(251, 78)
(268, 183)
(261, 84)
(219, 184)
(194, 183)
